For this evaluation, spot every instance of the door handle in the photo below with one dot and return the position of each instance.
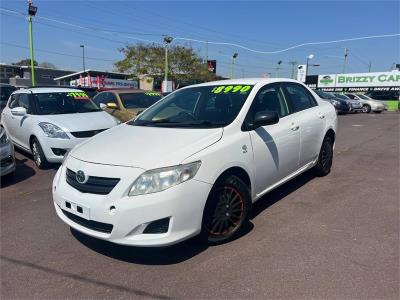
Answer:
(294, 127)
(321, 116)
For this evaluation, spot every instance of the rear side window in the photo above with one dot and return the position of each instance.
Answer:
(13, 101)
(299, 97)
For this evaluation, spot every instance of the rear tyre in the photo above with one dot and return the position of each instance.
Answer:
(366, 108)
(227, 211)
(38, 155)
(325, 158)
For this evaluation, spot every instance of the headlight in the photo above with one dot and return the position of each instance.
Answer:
(334, 102)
(158, 180)
(4, 139)
(53, 131)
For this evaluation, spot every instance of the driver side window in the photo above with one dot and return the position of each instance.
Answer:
(270, 98)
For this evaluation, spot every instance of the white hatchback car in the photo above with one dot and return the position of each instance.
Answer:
(194, 162)
(48, 122)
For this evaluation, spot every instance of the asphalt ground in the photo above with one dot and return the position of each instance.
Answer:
(335, 237)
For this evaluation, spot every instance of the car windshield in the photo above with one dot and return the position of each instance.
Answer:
(324, 95)
(6, 91)
(197, 107)
(139, 100)
(340, 96)
(64, 103)
(363, 97)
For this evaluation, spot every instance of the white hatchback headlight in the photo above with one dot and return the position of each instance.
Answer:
(53, 131)
(158, 180)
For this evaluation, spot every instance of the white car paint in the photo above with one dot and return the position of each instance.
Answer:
(270, 155)
(21, 129)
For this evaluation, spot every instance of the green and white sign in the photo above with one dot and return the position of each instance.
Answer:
(375, 79)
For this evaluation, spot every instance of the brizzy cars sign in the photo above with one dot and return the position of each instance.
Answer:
(376, 79)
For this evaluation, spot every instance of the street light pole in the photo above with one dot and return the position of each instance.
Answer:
(311, 56)
(31, 12)
(233, 62)
(346, 53)
(83, 57)
(167, 41)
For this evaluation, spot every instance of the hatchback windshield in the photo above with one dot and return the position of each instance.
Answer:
(324, 95)
(139, 100)
(64, 103)
(197, 107)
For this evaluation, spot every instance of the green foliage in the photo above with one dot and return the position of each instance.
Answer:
(148, 59)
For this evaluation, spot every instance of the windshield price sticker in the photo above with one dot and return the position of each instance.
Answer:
(152, 94)
(79, 95)
(226, 89)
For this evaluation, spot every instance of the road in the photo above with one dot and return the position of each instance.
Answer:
(332, 237)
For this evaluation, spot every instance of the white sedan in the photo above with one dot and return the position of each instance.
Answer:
(195, 162)
(48, 122)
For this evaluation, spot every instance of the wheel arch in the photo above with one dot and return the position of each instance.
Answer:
(238, 172)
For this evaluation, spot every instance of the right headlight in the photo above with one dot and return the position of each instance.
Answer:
(335, 102)
(158, 180)
(53, 131)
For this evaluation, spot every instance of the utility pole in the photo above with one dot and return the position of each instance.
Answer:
(233, 62)
(346, 53)
(206, 52)
(242, 73)
(167, 41)
(369, 66)
(293, 63)
(83, 57)
(31, 13)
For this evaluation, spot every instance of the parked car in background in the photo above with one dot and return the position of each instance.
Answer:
(126, 104)
(48, 122)
(195, 162)
(5, 91)
(7, 158)
(356, 105)
(369, 104)
(342, 106)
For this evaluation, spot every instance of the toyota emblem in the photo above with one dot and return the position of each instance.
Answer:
(81, 177)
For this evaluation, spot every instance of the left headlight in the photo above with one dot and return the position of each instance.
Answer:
(158, 180)
(53, 131)
(4, 139)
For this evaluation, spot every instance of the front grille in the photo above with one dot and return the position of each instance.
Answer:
(87, 134)
(5, 162)
(94, 185)
(94, 225)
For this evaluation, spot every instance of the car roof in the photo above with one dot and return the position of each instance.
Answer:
(248, 81)
(38, 90)
(128, 91)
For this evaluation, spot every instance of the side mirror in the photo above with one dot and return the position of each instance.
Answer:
(19, 111)
(264, 118)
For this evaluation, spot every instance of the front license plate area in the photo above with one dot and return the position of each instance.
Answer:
(77, 209)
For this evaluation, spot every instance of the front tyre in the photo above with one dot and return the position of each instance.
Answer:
(366, 108)
(38, 155)
(227, 211)
(325, 158)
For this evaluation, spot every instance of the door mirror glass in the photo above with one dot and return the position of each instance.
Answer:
(112, 105)
(264, 118)
(19, 111)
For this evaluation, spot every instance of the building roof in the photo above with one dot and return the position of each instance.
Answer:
(92, 72)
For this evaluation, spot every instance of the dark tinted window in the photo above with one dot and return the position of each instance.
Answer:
(350, 96)
(139, 100)
(270, 98)
(99, 98)
(5, 92)
(23, 101)
(300, 97)
(13, 101)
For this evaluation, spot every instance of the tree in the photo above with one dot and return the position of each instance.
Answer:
(47, 65)
(149, 59)
(25, 62)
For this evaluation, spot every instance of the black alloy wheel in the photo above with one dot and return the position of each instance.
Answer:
(325, 158)
(227, 211)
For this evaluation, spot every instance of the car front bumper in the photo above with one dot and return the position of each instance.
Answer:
(54, 149)
(7, 159)
(129, 216)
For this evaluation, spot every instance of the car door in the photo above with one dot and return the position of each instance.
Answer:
(7, 119)
(24, 124)
(311, 120)
(275, 147)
